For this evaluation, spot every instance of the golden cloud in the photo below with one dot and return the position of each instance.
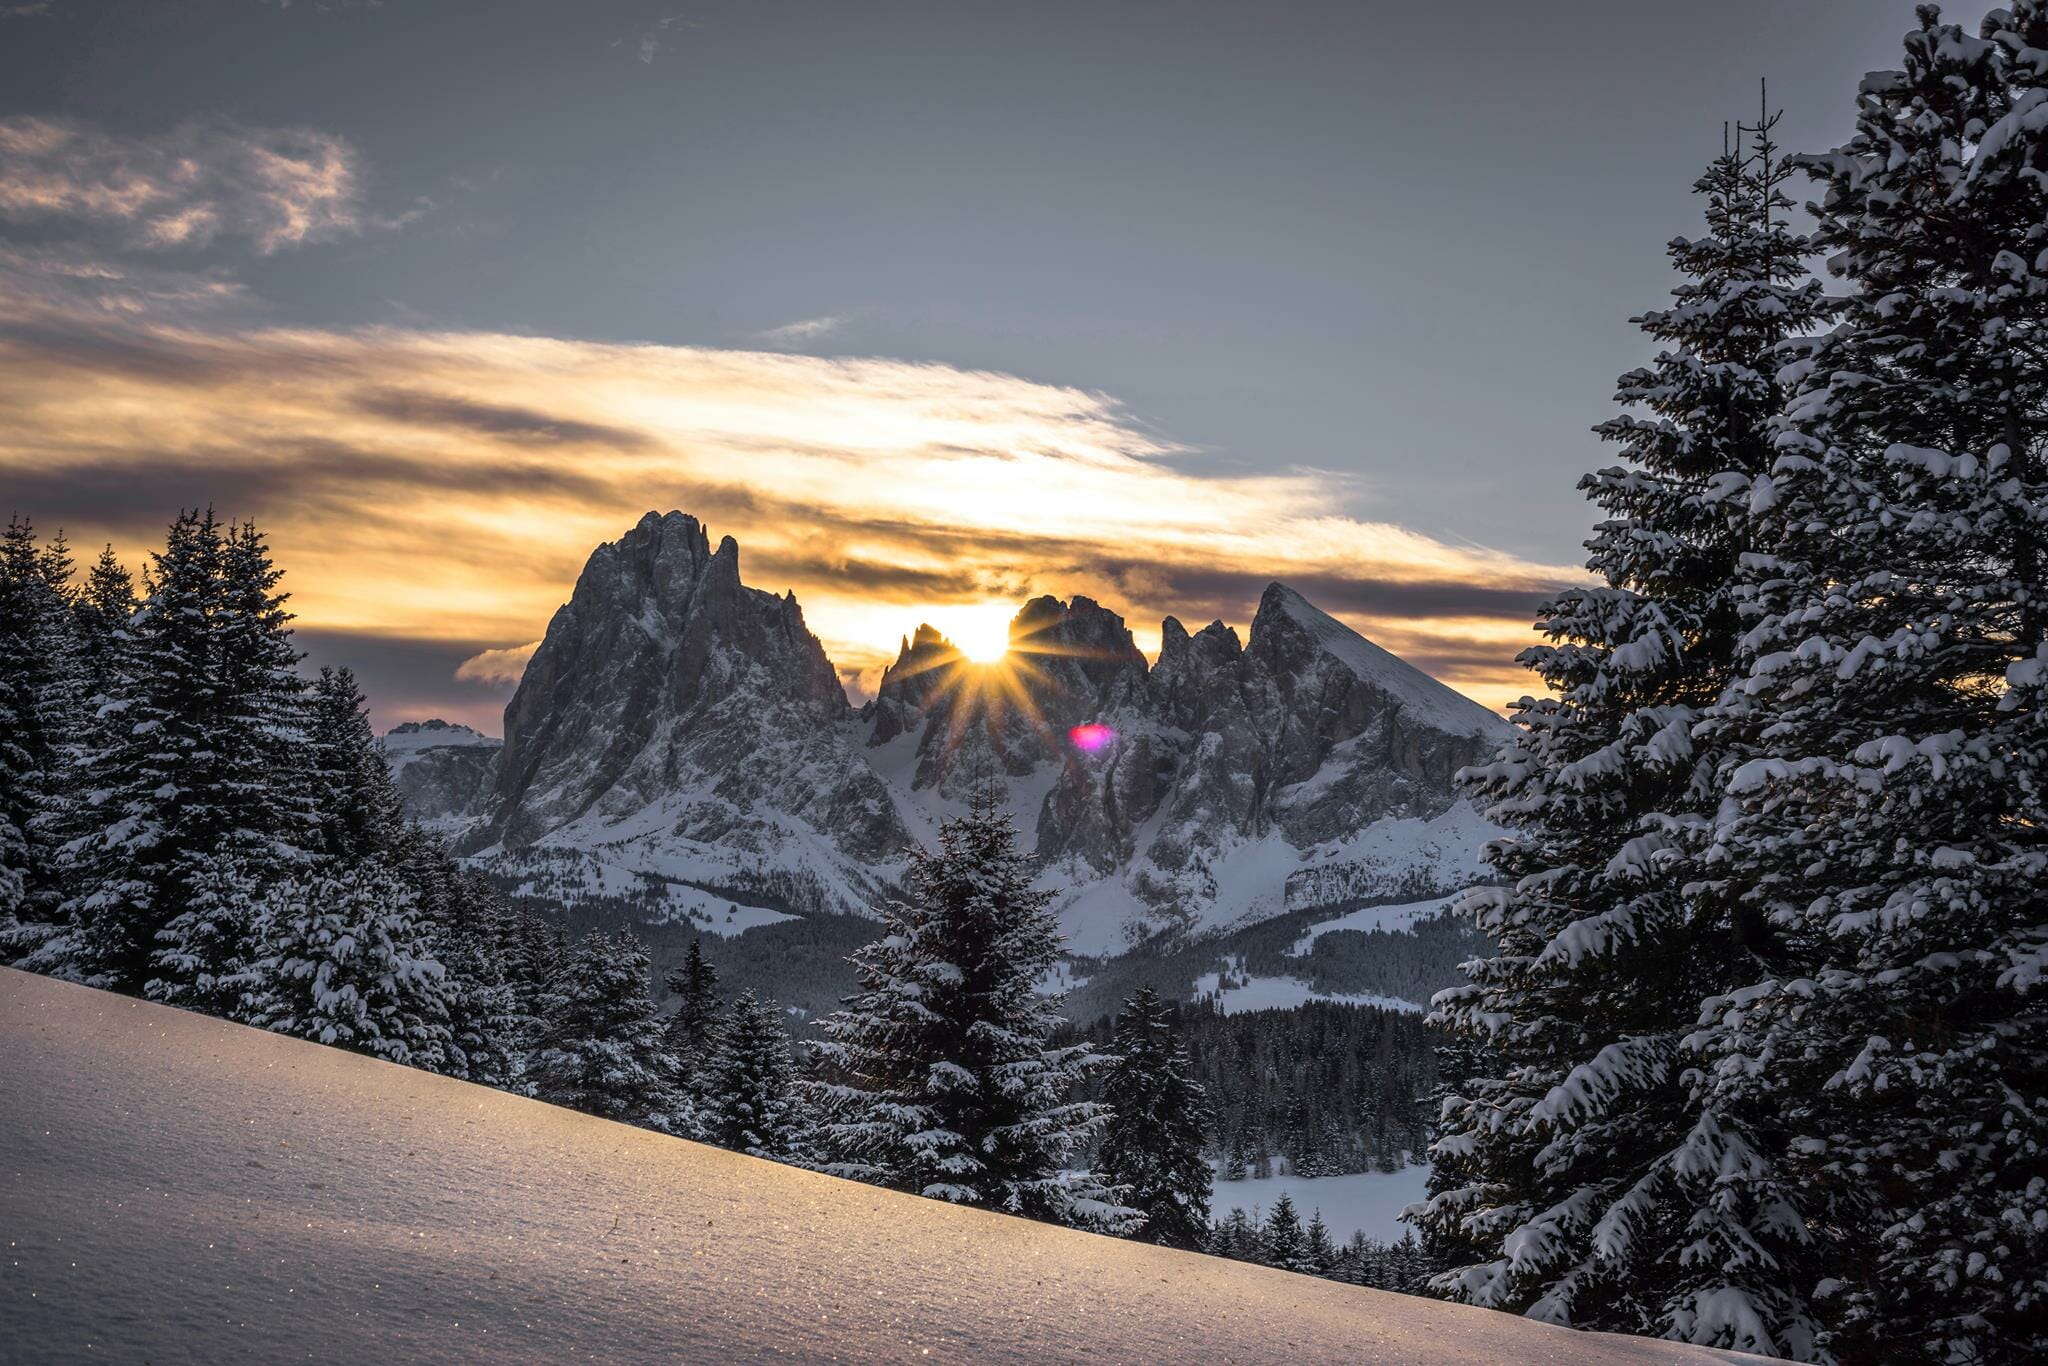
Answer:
(449, 484)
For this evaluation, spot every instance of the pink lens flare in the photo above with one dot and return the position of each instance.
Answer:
(1092, 738)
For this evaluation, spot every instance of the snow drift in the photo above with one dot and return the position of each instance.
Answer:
(180, 1188)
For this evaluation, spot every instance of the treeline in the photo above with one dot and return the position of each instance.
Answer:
(1761, 1058)
(1282, 1240)
(184, 817)
(1322, 1090)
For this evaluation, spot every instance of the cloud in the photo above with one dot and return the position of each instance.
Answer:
(650, 41)
(502, 667)
(203, 181)
(447, 486)
(802, 332)
(38, 10)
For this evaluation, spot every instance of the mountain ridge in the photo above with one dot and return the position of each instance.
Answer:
(687, 734)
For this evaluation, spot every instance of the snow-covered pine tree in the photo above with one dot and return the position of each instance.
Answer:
(340, 957)
(41, 730)
(1884, 754)
(204, 955)
(750, 1084)
(938, 1077)
(150, 786)
(105, 605)
(357, 810)
(1158, 1123)
(1283, 1240)
(249, 810)
(259, 722)
(601, 1050)
(534, 954)
(1317, 1249)
(1236, 1237)
(693, 1029)
(359, 816)
(1580, 1166)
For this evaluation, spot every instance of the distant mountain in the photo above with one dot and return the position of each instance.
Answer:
(680, 740)
(442, 769)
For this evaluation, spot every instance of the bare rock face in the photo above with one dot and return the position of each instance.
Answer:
(666, 688)
(687, 727)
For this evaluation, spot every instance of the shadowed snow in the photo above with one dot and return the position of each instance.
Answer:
(180, 1189)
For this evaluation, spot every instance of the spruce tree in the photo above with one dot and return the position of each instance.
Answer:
(1283, 1240)
(341, 957)
(105, 606)
(1581, 1171)
(259, 744)
(1152, 1142)
(155, 814)
(1885, 752)
(41, 731)
(1317, 1248)
(535, 952)
(601, 1049)
(356, 808)
(204, 954)
(1236, 1237)
(693, 1029)
(938, 1076)
(750, 1084)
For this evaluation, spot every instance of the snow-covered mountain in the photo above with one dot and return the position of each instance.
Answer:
(682, 737)
(441, 768)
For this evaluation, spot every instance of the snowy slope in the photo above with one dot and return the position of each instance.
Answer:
(174, 1188)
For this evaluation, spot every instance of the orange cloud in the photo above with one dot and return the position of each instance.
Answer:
(448, 485)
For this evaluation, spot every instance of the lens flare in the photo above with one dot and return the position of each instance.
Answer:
(1092, 738)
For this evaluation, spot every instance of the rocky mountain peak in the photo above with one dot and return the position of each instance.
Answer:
(661, 659)
(1291, 636)
(684, 730)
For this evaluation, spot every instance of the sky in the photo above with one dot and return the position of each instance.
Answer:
(933, 307)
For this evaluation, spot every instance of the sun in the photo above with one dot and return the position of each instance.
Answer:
(980, 630)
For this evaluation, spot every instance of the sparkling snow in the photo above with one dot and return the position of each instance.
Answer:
(175, 1188)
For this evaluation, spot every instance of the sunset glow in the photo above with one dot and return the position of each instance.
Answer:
(981, 631)
(435, 486)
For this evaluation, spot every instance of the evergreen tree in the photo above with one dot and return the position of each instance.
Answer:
(1284, 1241)
(204, 954)
(1885, 752)
(535, 952)
(750, 1084)
(485, 1027)
(155, 814)
(1235, 1158)
(1236, 1237)
(1317, 1248)
(1152, 1142)
(693, 1029)
(357, 809)
(341, 957)
(601, 1050)
(258, 723)
(40, 732)
(103, 610)
(939, 1077)
(1583, 1172)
